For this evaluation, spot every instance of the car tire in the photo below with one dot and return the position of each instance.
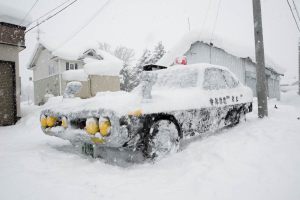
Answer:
(163, 138)
(232, 118)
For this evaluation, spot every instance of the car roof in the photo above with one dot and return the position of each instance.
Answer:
(192, 67)
(199, 67)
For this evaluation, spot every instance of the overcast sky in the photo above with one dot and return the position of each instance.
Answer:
(141, 24)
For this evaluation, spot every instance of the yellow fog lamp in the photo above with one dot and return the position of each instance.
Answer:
(104, 126)
(43, 121)
(51, 121)
(97, 140)
(64, 122)
(91, 126)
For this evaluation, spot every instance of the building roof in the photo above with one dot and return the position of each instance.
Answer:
(13, 16)
(220, 42)
(66, 54)
(97, 62)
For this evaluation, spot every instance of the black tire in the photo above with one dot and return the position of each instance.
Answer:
(232, 118)
(162, 139)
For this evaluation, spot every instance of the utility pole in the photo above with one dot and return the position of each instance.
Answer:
(299, 65)
(260, 61)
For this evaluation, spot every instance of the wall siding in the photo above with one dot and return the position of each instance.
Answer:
(104, 83)
(42, 86)
(41, 69)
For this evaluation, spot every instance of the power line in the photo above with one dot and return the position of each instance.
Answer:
(214, 27)
(29, 11)
(205, 17)
(296, 10)
(84, 25)
(39, 23)
(293, 15)
(47, 13)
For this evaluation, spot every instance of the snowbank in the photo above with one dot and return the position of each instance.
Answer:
(258, 159)
(75, 75)
(229, 46)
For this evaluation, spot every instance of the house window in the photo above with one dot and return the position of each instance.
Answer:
(51, 69)
(71, 66)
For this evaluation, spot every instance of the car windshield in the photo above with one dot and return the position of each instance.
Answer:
(177, 78)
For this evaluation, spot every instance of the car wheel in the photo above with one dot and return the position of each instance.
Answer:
(163, 139)
(232, 118)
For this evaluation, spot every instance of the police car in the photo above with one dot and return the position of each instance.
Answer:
(170, 105)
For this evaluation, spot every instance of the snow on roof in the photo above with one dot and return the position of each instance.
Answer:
(235, 49)
(67, 53)
(107, 56)
(75, 75)
(109, 66)
(13, 16)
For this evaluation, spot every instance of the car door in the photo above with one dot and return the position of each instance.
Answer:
(219, 95)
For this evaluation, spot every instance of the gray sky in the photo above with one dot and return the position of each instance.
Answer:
(142, 23)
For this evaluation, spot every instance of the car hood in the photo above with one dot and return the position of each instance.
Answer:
(120, 102)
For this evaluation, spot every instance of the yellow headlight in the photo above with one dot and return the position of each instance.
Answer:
(104, 126)
(51, 121)
(92, 126)
(64, 122)
(98, 140)
(43, 121)
(136, 113)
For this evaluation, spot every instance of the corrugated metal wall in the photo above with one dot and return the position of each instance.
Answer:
(201, 52)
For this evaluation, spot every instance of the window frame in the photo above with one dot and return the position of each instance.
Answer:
(236, 81)
(71, 66)
(205, 79)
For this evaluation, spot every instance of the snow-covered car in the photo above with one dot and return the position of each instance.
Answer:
(169, 105)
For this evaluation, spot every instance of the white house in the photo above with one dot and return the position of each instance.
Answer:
(197, 47)
(52, 70)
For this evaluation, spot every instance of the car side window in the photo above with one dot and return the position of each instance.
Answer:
(214, 79)
(230, 81)
(177, 79)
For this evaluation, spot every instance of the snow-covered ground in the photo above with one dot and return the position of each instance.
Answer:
(258, 159)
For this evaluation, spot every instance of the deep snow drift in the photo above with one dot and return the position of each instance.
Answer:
(258, 159)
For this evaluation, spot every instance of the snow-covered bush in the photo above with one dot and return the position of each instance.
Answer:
(72, 89)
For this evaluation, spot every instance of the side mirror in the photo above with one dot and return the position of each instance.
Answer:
(72, 89)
